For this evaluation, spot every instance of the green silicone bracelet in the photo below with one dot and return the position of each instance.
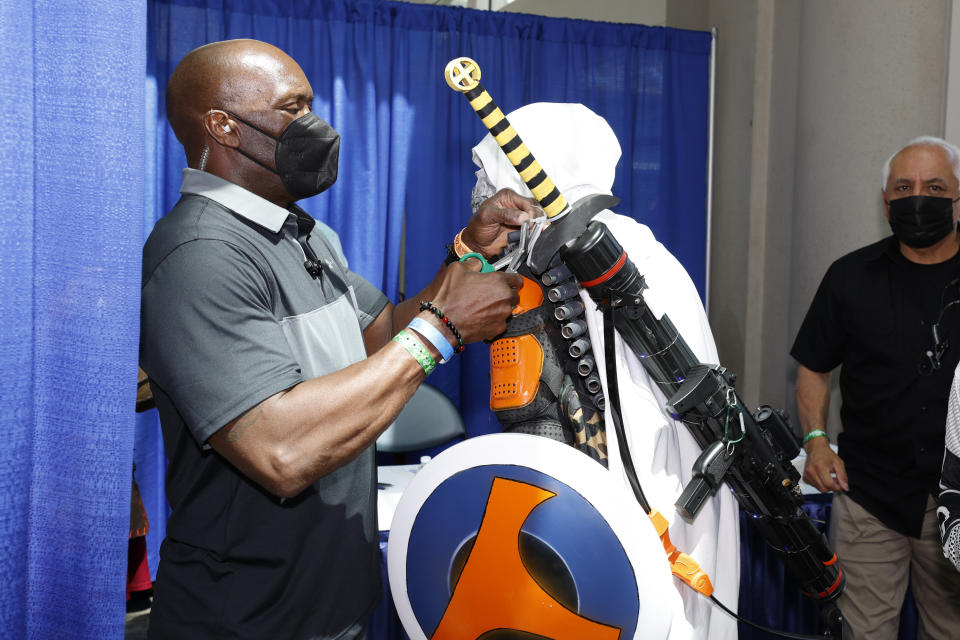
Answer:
(416, 349)
(816, 433)
(485, 267)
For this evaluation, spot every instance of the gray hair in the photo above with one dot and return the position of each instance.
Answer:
(953, 154)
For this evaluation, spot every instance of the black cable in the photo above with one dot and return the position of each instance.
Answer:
(774, 632)
(613, 395)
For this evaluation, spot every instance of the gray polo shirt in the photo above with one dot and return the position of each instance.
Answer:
(229, 317)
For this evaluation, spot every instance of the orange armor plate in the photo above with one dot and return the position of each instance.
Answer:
(531, 297)
(515, 366)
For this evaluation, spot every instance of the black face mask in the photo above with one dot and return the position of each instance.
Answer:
(921, 221)
(307, 155)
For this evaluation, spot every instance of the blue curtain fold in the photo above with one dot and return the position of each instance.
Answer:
(71, 180)
(376, 69)
(769, 596)
(16, 312)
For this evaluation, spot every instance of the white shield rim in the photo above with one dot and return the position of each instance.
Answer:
(662, 605)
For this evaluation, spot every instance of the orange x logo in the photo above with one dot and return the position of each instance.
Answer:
(495, 590)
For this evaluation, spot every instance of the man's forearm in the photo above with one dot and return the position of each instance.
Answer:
(813, 398)
(293, 438)
(394, 318)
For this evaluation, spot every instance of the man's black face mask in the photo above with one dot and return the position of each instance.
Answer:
(921, 221)
(306, 157)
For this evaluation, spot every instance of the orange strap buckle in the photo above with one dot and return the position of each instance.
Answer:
(682, 565)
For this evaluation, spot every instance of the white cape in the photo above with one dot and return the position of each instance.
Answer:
(579, 152)
(662, 449)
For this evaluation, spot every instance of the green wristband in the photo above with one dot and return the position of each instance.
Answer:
(485, 267)
(416, 349)
(816, 433)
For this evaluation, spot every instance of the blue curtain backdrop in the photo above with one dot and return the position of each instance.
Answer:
(71, 187)
(376, 69)
(77, 163)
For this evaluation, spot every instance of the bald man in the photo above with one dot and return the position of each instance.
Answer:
(884, 314)
(274, 367)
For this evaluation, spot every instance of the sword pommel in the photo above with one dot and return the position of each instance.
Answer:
(463, 76)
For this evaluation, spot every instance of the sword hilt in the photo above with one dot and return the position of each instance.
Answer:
(463, 75)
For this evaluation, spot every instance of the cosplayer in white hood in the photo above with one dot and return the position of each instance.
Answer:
(579, 151)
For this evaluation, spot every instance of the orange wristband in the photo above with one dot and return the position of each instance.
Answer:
(460, 247)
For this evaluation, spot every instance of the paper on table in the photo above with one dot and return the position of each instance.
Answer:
(391, 481)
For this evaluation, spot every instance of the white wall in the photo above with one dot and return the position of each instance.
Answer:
(830, 88)
(872, 76)
(951, 130)
(736, 25)
(648, 12)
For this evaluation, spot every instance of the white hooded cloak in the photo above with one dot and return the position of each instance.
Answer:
(579, 151)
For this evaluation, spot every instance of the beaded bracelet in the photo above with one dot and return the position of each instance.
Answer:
(816, 433)
(451, 255)
(428, 306)
(416, 349)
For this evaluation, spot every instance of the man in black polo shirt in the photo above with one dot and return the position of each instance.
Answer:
(883, 314)
(272, 364)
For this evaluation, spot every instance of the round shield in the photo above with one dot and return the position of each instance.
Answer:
(512, 536)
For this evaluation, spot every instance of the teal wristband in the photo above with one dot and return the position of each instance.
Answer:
(816, 433)
(416, 349)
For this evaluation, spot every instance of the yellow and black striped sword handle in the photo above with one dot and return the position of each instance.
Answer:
(463, 75)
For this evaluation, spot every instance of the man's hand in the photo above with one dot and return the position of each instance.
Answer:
(478, 304)
(824, 469)
(499, 214)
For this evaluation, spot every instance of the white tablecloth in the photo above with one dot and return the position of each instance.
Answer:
(391, 481)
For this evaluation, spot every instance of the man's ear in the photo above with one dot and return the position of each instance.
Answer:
(886, 204)
(221, 128)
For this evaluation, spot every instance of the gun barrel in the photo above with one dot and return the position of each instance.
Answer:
(759, 471)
